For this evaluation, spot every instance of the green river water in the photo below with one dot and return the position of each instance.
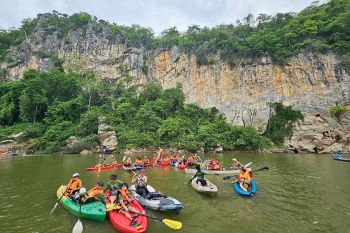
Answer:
(300, 193)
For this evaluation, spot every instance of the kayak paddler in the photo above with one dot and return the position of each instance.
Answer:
(94, 194)
(113, 186)
(200, 176)
(244, 179)
(124, 202)
(236, 164)
(141, 183)
(74, 185)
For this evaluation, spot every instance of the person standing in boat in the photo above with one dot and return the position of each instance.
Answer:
(141, 183)
(74, 185)
(113, 186)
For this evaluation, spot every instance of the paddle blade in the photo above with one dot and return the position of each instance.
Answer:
(124, 158)
(78, 227)
(54, 208)
(172, 224)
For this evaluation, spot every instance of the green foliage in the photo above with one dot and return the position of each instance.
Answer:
(337, 111)
(152, 117)
(281, 122)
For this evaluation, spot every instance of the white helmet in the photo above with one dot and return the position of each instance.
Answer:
(75, 175)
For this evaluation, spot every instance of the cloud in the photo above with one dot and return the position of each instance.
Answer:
(157, 14)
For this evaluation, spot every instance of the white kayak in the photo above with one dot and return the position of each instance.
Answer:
(209, 188)
(163, 202)
(129, 168)
(215, 172)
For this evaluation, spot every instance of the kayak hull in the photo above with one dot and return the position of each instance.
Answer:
(160, 203)
(339, 157)
(129, 168)
(121, 223)
(209, 189)
(139, 167)
(238, 189)
(181, 166)
(104, 167)
(95, 211)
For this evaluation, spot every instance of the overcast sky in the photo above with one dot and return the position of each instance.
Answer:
(158, 14)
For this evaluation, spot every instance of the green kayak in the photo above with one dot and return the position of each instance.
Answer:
(94, 211)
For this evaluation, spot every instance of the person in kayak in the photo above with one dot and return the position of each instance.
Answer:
(124, 202)
(236, 164)
(145, 161)
(200, 176)
(113, 186)
(141, 183)
(138, 162)
(94, 194)
(244, 179)
(128, 162)
(74, 185)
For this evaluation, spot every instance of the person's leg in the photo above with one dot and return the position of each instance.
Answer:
(241, 184)
(126, 214)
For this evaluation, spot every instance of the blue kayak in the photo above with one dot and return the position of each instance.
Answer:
(139, 167)
(245, 193)
(339, 157)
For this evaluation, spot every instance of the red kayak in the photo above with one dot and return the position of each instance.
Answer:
(122, 223)
(149, 165)
(182, 166)
(104, 167)
(166, 163)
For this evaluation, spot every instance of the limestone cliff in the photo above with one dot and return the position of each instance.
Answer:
(310, 82)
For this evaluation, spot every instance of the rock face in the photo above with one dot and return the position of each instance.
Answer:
(107, 137)
(310, 82)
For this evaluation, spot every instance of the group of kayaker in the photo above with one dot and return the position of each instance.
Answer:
(115, 192)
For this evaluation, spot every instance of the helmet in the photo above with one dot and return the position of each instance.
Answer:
(142, 170)
(198, 167)
(75, 175)
(113, 177)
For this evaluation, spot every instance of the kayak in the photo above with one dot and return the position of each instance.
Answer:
(104, 167)
(139, 167)
(132, 167)
(210, 188)
(164, 164)
(149, 165)
(182, 166)
(94, 211)
(173, 163)
(163, 203)
(213, 172)
(122, 223)
(339, 157)
(238, 189)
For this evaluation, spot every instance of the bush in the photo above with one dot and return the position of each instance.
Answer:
(337, 111)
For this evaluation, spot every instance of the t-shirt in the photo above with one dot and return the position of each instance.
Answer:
(200, 174)
(113, 186)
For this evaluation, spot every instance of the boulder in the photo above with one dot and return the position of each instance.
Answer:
(107, 137)
(336, 147)
(71, 141)
(86, 152)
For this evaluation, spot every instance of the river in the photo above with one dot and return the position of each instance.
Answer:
(299, 193)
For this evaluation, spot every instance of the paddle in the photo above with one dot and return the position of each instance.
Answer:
(155, 161)
(263, 168)
(170, 223)
(78, 227)
(59, 199)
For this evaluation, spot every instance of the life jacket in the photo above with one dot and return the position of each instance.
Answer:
(128, 161)
(92, 193)
(124, 196)
(72, 185)
(243, 175)
(145, 161)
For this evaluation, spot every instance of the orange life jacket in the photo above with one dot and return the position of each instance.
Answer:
(92, 193)
(124, 196)
(243, 175)
(72, 185)
(128, 161)
(145, 161)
